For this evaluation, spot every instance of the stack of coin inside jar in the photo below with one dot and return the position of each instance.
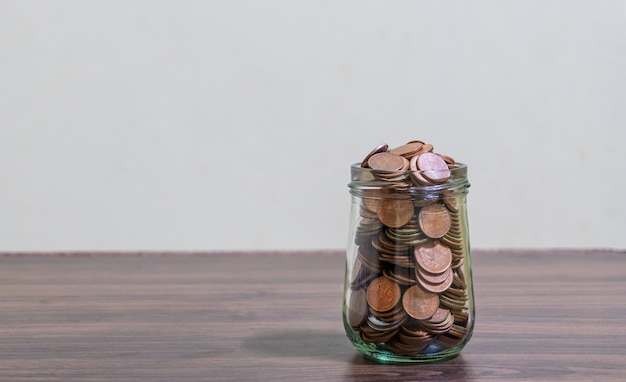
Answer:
(409, 289)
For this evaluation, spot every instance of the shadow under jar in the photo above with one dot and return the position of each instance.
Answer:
(408, 294)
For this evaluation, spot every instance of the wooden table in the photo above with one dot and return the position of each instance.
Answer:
(541, 315)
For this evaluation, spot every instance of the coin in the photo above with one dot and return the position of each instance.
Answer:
(407, 150)
(357, 308)
(436, 287)
(362, 278)
(416, 173)
(452, 204)
(416, 141)
(419, 303)
(386, 161)
(446, 158)
(433, 167)
(368, 261)
(399, 347)
(433, 278)
(434, 220)
(374, 336)
(381, 325)
(451, 303)
(395, 314)
(434, 258)
(383, 294)
(440, 316)
(458, 331)
(379, 149)
(371, 204)
(402, 276)
(456, 292)
(440, 322)
(395, 212)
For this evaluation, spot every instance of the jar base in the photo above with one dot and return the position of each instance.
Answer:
(383, 356)
(433, 353)
(379, 354)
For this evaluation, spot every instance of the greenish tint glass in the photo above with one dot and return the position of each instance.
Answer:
(388, 324)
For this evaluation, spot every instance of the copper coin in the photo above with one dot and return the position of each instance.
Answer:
(452, 303)
(440, 316)
(383, 294)
(357, 307)
(395, 212)
(433, 278)
(400, 277)
(382, 325)
(378, 337)
(437, 288)
(420, 304)
(408, 150)
(386, 162)
(452, 204)
(407, 350)
(433, 167)
(435, 258)
(434, 220)
(371, 203)
(427, 148)
(417, 174)
(392, 315)
(379, 149)
(446, 158)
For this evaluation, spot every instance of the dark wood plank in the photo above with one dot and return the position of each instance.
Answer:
(541, 315)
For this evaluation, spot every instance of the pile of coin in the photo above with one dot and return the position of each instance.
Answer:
(409, 290)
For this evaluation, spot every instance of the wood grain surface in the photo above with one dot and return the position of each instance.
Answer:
(541, 315)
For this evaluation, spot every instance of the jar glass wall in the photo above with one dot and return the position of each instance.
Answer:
(408, 285)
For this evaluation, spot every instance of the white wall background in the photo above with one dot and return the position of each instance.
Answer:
(211, 125)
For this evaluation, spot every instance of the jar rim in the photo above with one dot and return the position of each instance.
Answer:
(363, 178)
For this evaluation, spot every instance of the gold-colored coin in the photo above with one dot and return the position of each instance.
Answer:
(419, 303)
(434, 220)
(395, 212)
(434, 258)
(383, 294)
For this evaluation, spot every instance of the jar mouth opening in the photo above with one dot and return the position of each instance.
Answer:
(407, 180)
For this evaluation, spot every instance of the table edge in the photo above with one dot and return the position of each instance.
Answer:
(299, 252)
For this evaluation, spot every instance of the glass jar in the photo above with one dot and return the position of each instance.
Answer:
(408, 294)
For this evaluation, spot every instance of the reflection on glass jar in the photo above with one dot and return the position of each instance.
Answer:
(408, 285)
